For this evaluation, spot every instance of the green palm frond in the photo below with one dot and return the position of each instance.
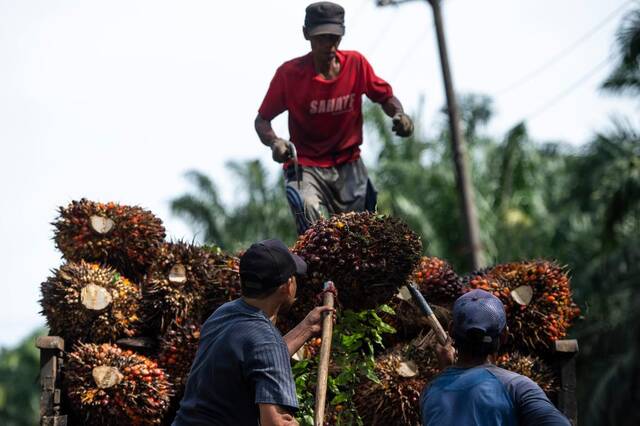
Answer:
(510, 155)
(625, 78)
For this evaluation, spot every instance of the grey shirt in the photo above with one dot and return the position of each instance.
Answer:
(242, 361)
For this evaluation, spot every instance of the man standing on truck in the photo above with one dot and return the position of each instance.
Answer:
(473, 391)
(322, 91)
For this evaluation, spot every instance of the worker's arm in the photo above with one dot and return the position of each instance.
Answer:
(402, 124)
(310, 326)
(265, 131)
(267, 368)
(532, 405)
(275, 415)
(279, 147)
(534, 408)
(392, 106)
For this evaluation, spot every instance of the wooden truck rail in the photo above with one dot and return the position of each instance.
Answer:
(52, 361)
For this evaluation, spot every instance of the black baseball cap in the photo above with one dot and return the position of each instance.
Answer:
(478, 317)
(268, 264)
(324, 18)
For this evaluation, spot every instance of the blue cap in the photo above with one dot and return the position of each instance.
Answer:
(478, 316)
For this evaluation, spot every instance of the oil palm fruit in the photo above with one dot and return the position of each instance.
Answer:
(107, 385)
(437, 281)
(408, 321)
(403, 372)
(224, 285)
(537, 299)
(368, 256)
(532, 367)
(124, 237)
(175, 286)
(177, 351)
(90, 302)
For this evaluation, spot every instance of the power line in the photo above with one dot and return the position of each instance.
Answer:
(357, 15)
(384, 32)
(410, 52)
(531, 75)
(566, 92)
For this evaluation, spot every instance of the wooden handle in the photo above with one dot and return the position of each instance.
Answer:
(441, 335)
(325, 355)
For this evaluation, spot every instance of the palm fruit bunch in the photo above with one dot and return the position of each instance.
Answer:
(224, 285)
(403, 372)
(127, 238)
(175, 286)
(408, 321)
(437, 281)
(107, 385)
(87, 301)
(532, 367)
(368, 256)
(537, 299)
(178, 347)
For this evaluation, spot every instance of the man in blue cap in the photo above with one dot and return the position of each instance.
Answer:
(241, 374)
(473, 391)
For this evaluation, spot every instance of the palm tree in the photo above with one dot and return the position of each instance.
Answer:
(19, 390)
(611, 176)
(625, 78)
(260, 210)
(606, 189)
(203, 209)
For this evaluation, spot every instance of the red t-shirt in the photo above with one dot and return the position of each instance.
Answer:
(325, 116)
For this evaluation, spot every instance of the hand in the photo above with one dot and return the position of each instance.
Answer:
(275, 415)
(280, 150)
(313, 321)
(446, 354)
(402, 125)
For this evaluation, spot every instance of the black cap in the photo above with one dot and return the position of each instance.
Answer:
(324, 18)
(268, 264)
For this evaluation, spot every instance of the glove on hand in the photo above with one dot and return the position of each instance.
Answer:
(402, 125)
(280, 150)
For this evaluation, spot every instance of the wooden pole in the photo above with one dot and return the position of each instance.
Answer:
(458, 149)
(418, 298)
(325, 355)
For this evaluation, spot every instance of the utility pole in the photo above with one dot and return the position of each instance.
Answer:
(458, 148)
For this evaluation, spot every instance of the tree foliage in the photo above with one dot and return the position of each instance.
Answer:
(19, 389)
(259, 211)
(625, 78)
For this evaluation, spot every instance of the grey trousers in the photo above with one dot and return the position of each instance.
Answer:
(325, 191)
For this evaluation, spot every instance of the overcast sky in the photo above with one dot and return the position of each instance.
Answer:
(115, 100)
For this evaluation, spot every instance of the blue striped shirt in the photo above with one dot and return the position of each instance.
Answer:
(242, 361)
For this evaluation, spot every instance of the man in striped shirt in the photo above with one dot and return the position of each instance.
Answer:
(241, 374)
